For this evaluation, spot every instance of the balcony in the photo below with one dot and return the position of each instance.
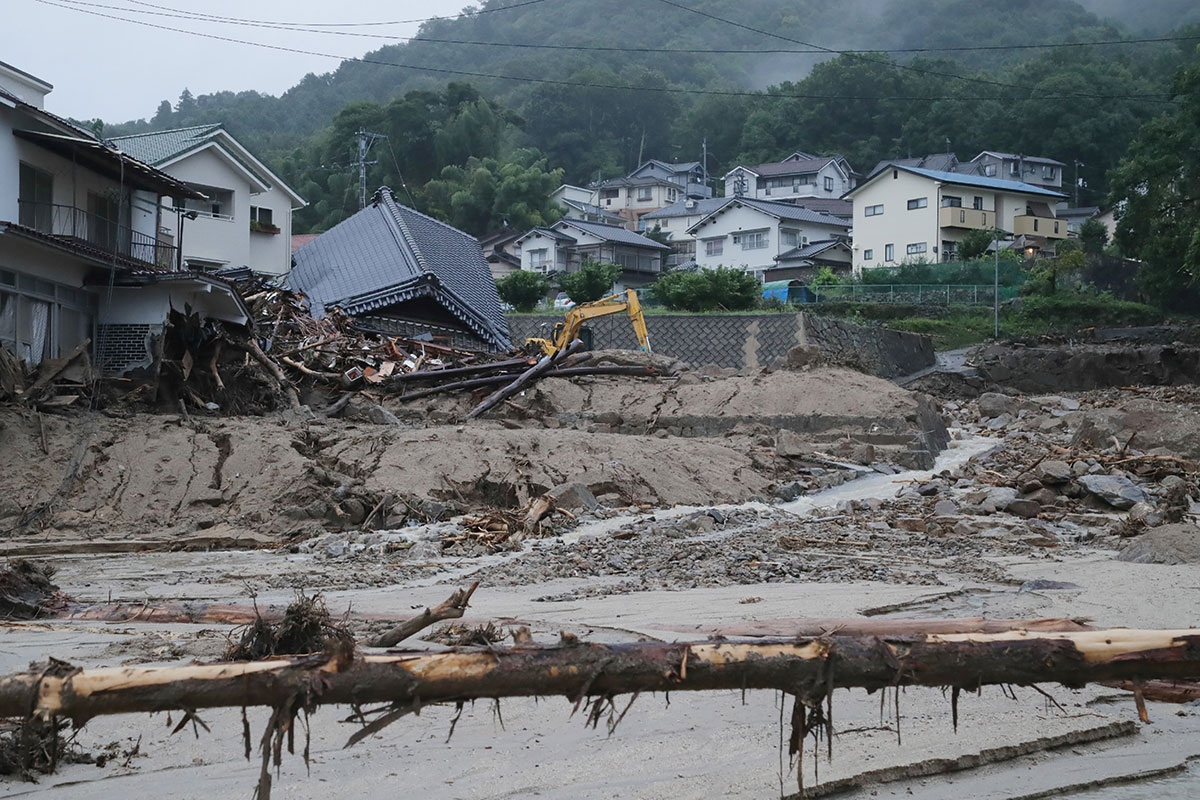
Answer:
(973, 218)
(1047, 227)
(98, 233)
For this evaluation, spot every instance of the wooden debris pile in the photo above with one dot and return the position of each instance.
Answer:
(54, 383)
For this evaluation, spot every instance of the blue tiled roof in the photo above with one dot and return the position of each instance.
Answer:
(983, 183)
(388, 254)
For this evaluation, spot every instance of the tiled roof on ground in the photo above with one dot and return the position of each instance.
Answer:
(388, 254)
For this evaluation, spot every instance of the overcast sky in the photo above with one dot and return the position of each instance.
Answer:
(118, 70)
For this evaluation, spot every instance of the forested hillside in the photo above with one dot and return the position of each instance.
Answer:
(480, 111)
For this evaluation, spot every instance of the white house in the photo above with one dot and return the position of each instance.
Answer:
(246, 216)
(798, 175)
(905, 213)
(81, 255)
(751, 234)
(563, 246)
(577, 202)
(674, 221)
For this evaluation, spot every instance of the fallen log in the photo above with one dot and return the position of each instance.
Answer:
(491, 380)
(420, 376)
(524, 379)
(452, 607)
(808, 668)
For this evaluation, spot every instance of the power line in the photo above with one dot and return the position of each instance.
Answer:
(319, 28)
(345, 24)
(1151, 96)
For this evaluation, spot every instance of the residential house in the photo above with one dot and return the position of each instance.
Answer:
(576, 203)
(1075, 217)
(1034, 170)
(752, 234)
(673, 223)
(245, 218)
(905, 213)
(563, 246)
(799, 175)
(653, 185)
(82, 257)
(501, 252)
(399, 272)
(939, 162)
(803, 262)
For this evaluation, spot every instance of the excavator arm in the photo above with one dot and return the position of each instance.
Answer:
(567, 331)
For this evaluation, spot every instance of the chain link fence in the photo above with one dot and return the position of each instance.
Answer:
(910, 294)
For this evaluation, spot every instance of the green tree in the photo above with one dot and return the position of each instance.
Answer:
(162, 117)
(1155, 188)
(725, 288)
(186, 104)
(523, 290)
(974, 244)
(592, 281)
(1094, 235)
(483, 195)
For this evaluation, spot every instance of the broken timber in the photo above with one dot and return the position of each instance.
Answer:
(524, 379)
(804, 667)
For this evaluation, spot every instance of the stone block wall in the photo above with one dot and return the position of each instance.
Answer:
(751, 341)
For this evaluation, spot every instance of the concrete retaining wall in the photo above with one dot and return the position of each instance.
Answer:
(752, 341)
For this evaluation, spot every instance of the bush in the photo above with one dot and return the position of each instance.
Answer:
(1086, 310)
(523, 290)
(974, 244)
(593, 281)
(708, 289)
(979, 271)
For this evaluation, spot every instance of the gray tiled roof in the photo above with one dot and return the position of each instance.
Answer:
(943, 162)
(155, 147)
(794, 212)
(613, 233)
(1015, 156)
(680, 208)
(791, 167)
(836, 206)
(388, 254)
(809, 250)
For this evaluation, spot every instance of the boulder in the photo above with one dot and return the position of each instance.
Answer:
(803, 355)
(789, 444)
(378, 415)
(1024, 508)
(945, 508)
(998, 499)
(993, 404)
(1054, 472)
(573, 496)
(1115, 491)
(1178, 543)
(1147, 514)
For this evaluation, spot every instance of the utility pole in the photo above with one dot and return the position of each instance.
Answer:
(365, 140)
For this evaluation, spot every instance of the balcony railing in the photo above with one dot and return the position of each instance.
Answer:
(958, 217)
(1031, 225)
(101, 233)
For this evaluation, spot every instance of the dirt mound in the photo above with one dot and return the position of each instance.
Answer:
(1080, 367)
(1168, 544)
(1151, 423)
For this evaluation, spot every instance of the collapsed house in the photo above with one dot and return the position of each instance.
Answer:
(398, 272)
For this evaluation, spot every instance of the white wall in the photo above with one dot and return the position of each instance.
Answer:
(221, 240)
(271, 253)
(841, 185)
(897, 225)
(537, 241)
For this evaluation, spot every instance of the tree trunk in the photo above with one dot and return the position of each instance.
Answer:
(811, 667)
(524, 379)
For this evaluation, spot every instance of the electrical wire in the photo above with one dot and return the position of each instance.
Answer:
(347, 24)
(320, 28)
(1164, 97)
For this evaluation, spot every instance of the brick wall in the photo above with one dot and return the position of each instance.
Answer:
(751, 341)
(124, 347)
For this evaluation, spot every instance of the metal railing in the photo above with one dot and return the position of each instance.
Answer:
(96, 231)
(910, 294)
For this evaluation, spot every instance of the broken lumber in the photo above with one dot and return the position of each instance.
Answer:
(524, 379)
(491, 380)
(809, 667)
(450, 608)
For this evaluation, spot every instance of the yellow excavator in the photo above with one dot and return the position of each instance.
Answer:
(567, 331)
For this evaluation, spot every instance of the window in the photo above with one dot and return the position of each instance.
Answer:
(1035, 224)
(889, 252)
(915, 249)
(539, 259)
(868, 254)
(1048, 173)
(35, 194)
(989, 170)
(666, 223)
(873, 211)
(949, 201)
(1056, 226)
(263, 216)
(788, 238)
(977, 203)
(644, 194)
(104, 218)
(672, 194)
(752, 241)
(714, 247)
(922, 202)
(1014, 168)
(609, 194)
(828, 183)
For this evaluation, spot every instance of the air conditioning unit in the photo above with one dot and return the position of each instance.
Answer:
(690, 204)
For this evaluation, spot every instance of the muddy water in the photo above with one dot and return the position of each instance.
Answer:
(1183, 785)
